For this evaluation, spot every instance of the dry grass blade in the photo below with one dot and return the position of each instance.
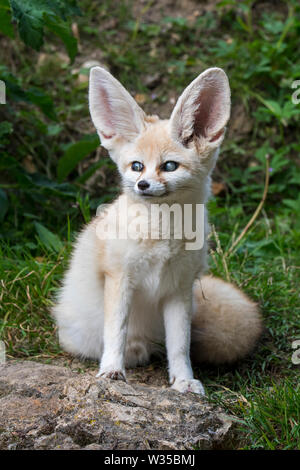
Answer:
(220, 252)
(256, 213)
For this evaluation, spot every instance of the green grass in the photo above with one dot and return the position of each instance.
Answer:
(47, 192)
(27, 288)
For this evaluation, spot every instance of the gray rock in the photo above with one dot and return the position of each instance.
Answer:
(51, 407)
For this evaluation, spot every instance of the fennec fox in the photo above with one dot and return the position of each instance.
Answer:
(122, 298)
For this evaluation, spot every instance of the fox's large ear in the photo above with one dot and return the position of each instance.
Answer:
(203, 109)
(113, 110)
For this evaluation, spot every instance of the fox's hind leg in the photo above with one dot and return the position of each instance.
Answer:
(137, 352)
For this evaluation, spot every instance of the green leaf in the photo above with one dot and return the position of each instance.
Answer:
(32, 16)
(74, 154)
(28, 16)
(6, 26)
(50, 187)
(293, 204)
(91, 170)
(274, 107)
(43, 101)
(5, 128)
(49, 239)
(54, 129)
(3, 204)
(7, 162)
(33, 95)
(63, 31)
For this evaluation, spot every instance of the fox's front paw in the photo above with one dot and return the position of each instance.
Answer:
(191, 385)
(112, 374)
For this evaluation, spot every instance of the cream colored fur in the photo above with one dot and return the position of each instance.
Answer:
(121, 300)
(226, 324)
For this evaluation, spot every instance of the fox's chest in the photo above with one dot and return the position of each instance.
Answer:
(162, 269)
(155, 268)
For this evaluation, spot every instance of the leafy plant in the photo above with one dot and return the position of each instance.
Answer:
(34, 16)
(74, 154)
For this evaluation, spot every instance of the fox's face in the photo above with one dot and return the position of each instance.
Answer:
(162, 159)
(154, 166)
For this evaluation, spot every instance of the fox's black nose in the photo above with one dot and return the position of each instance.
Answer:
(143, 185)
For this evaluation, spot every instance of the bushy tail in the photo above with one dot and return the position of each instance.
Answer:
(226, 324)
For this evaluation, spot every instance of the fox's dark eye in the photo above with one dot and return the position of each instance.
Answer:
(170, 166)
(137, 166)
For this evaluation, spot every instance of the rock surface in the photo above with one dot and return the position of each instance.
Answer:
(51, 407)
